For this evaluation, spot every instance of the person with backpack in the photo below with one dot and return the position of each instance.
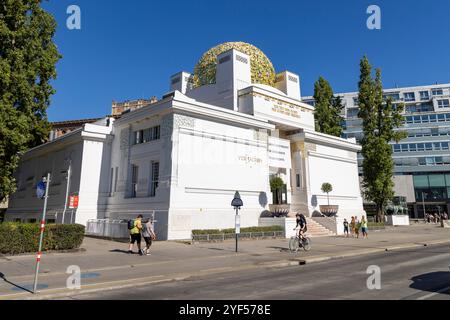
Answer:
(135, 227)
(149, 235)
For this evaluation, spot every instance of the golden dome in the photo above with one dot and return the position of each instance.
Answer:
(262, 69)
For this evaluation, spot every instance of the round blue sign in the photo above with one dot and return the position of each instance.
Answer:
(40, 190)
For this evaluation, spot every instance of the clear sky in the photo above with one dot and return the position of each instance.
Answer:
(128, 49)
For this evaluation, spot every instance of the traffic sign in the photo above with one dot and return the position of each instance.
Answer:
(40, 190)
(238, 224)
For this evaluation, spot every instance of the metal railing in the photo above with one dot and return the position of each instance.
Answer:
(230, 236)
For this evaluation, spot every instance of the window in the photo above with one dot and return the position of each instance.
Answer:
(134, 180)
(147, 135)
(438, 161)
(111, 181)
(115, 179)
(433, 118)
(429, 161)
(424, 95)
(428, 146)
(409, 119)
(417, 119)
(413, 147)
(409, 96)
(393, 96)
(355, 101)
(437, 146)
(154, 179)
(404, 148)
(397, 148)
(297, 179)
(352, 112)
(443, 103)
(420, 147)
(441, 117)
(425, 118)
(444, 146)
(437, 92)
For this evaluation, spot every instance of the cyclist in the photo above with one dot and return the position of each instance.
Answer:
(301, 222)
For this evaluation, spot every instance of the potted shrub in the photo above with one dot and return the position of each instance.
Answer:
(328, 210)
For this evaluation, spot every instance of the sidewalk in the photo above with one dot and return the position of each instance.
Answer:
(106, 265)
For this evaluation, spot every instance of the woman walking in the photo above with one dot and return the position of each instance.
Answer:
(364, 227)
(148, 233)
(353, 226)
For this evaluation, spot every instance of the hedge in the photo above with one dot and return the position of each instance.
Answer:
(243, 230)
(17, 238)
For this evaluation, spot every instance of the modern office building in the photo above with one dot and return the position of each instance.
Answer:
(422, 160)
(230, 126)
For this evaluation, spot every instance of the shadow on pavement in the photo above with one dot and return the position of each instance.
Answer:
(432, 282)
(2, 276)
(119, 251)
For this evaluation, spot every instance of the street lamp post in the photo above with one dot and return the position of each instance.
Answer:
(237, 204)
(69, 173)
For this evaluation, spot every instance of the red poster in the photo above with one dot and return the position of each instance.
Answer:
(73, 202)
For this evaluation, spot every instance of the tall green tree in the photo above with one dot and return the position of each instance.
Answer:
(327, 109)
(28, 57)
(380, 119)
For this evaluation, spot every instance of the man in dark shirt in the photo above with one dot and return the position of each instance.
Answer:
(301, 222)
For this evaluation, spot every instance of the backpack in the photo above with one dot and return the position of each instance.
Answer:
(130, 224)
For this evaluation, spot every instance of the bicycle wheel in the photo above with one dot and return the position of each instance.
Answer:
(293, 244)
(307, 244)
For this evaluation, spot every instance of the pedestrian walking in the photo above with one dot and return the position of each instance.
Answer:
(135, 227)
(445, 216)
(148, 233)
(364, 227)
(352, 226)
(346, 225)
(357, 227)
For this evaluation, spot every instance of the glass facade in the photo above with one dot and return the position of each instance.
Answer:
(432, 187)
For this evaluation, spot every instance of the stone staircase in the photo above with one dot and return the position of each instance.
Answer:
(315, 229)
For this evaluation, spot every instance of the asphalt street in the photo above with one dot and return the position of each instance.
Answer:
(412, 274)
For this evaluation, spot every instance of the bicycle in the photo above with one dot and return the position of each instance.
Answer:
(295, 243)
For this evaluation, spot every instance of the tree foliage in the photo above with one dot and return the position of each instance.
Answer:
(327, 109)
(327, 188)
(380, 119)
(27, 65)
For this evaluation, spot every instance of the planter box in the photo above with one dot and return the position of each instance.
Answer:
(288, 225)
(397, 220)
(329, 211)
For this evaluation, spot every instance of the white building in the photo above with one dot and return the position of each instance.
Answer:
(187, 154)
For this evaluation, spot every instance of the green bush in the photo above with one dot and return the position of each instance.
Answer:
(243, 230)
(17, 238)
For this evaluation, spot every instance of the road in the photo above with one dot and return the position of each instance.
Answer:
(414, 274)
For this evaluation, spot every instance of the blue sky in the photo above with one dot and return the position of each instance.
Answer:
(128, 49)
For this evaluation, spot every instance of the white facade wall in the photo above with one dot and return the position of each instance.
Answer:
(214, 161)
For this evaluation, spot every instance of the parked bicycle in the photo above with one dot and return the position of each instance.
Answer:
(296, 243)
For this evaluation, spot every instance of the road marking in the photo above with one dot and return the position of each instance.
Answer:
(434, 294)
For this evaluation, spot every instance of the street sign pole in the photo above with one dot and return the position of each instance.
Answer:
(38, 259)
(237, 231)
(237, 204)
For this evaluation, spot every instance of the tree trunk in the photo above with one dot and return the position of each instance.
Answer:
(380, 214)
